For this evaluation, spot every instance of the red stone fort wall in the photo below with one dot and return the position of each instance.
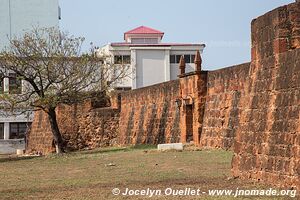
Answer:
(252, 108)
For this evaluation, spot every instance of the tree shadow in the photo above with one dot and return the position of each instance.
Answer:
(15, 158)
(117, 149)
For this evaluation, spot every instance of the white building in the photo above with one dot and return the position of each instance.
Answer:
(17, 17)
(151, 60)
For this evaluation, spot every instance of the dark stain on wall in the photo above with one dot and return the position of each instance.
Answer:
(140, 131)
(233, 121)
(40, 119)
(150, 125)
(161, 136)
(175, 131)
(130, 124)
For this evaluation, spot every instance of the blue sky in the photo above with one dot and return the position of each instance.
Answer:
(224, 26)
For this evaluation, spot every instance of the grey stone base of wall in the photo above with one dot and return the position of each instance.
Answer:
(11, 146)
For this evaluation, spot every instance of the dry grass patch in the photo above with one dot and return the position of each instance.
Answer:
(93, 174)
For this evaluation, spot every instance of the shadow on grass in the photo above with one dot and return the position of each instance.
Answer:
(9, 158)
(143, 146)
(99, 151)
(13, 158)
(117, 149)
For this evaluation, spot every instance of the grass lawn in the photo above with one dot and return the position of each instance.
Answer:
(93, 174)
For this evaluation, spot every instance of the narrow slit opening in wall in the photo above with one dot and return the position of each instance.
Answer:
(189, 123)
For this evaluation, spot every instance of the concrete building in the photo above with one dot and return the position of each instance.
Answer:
(151, 61)
(17, 17)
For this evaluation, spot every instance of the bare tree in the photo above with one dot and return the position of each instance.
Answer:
(54, 71)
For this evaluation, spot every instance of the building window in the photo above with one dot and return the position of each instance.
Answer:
(177, 58)
(144, 40)
(1, 85)
(188, 58)
(18, 130)
(2, 131)
(124, 59)
(172, 59)
(137, 40)
(193, 58)
(118, 59)
(122, 88)
(59, 13)
(15, 84)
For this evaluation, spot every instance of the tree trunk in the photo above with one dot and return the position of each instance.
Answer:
(59, 143)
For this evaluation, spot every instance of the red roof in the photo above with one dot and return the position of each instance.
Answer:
(159, 44)
(143, 30)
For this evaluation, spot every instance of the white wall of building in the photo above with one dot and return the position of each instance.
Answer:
(174, 70)
(16, 18)
(151, 68)
(5, 23)
(19, 16)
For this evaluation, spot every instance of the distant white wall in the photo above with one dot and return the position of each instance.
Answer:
(16, 18)
(125, 82)
(19, 16)
(4, 23)
(11, 146)
(189, 67)
(150, 67)
(7, 117)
